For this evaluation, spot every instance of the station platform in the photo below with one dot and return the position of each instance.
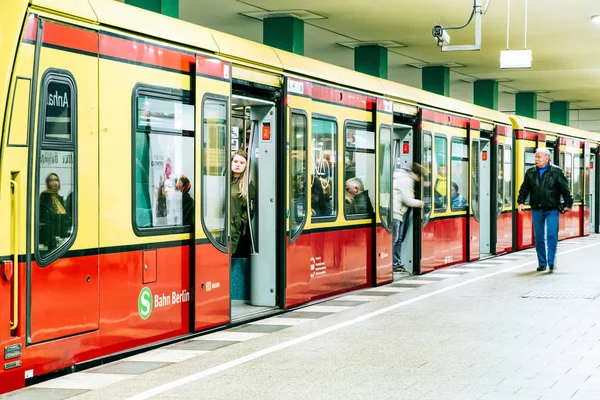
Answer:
(494, 329)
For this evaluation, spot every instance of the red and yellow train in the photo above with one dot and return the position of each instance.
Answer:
(106, 108)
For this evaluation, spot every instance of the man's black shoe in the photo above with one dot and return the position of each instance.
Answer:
(551, 267)
(541, 268)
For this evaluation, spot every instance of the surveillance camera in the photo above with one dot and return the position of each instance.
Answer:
(440, 35)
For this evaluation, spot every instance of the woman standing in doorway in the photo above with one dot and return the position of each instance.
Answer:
(243, 196)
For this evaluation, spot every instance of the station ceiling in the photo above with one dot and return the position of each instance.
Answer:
(564, 40)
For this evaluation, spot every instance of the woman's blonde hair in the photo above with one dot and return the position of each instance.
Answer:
(243, 183)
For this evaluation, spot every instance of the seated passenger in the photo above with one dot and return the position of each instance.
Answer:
(440, 188)
(187, 202)
(321, 198)
(357, 199)
(55, 221)
(457, 200)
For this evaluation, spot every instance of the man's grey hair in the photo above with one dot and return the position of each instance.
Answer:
(356, 182)
(545, 151)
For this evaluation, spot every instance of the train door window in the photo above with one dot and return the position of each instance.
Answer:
(561, 160)
(324, 168)
(529, 163)
(500, 179)
(578, 178)
(298, 171)
(460, 174)
(441, 177)
(385, 176)
(56, 216)
(427, 173)
(359, 169)
(215, 160)
(507, 176)
(164, 160)
(569, 170)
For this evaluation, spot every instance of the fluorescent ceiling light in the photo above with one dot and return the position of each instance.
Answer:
(515, 59)
(596, 19)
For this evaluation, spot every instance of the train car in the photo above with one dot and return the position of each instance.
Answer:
(575, 151)
(115, 182)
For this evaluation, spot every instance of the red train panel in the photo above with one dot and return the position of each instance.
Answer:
(504, 233)
(212, 304)
(322, 264)
(524, 230)
(444, 243)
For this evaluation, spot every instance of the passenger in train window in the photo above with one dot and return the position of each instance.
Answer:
(457, 200)
(349, 166)
(321, 197)
(357, 198)
(187, 201)
(545, 183)
(403, 198)
(243, 196)
(55, 221)
(440, 188)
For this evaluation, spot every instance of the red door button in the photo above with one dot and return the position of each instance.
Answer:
(266, 132)
(484, 155)
(405, 148)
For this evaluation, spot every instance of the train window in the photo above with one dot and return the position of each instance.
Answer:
(56, 217)
(578, 178)
(460, 174)
(500, 180)
(507, 176)
(359, 169)
(164, 161)
(529, 163)
(385, 176)
(298, 172)
(569, 170)
(441, 179)
(215, 163)
(475, 178)
(427, 172)
(323, 192)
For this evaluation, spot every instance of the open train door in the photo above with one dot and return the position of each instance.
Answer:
(210, 269)
(473, 224)
(383, 254)
(62, 188)
(587, 191)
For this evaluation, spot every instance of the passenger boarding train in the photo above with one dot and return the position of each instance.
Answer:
(115, 121)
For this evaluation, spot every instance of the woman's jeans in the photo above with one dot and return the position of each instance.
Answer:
(549, 220)
(396, 241)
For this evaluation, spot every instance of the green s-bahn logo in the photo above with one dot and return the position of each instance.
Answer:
(145, 303)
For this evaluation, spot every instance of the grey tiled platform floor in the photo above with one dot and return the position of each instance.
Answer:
(469, 336)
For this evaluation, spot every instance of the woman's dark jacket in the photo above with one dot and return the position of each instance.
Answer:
(239, 217)
(545, 192)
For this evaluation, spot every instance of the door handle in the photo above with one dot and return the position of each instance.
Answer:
(15, 322)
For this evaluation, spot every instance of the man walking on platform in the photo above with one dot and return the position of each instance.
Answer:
(545, 184)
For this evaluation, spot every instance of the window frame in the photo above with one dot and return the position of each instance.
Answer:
(464, 142)
(500, 170)
(387, 223)
(526, 166)
(330, 218)
(159, 93)
(63, 76)
(439, 210)
(428, 166)
(222, 247)
(295, 235)
(367, 126)
(509, 204)
(581, 178)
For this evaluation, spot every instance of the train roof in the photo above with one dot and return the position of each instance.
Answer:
(548, 127)
(111, 13)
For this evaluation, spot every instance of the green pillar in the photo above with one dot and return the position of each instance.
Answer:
(436, 80)
(164, 7)
(559, 112)
(526, 104)
(485, 93)
(285, 33)
(372, 60)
